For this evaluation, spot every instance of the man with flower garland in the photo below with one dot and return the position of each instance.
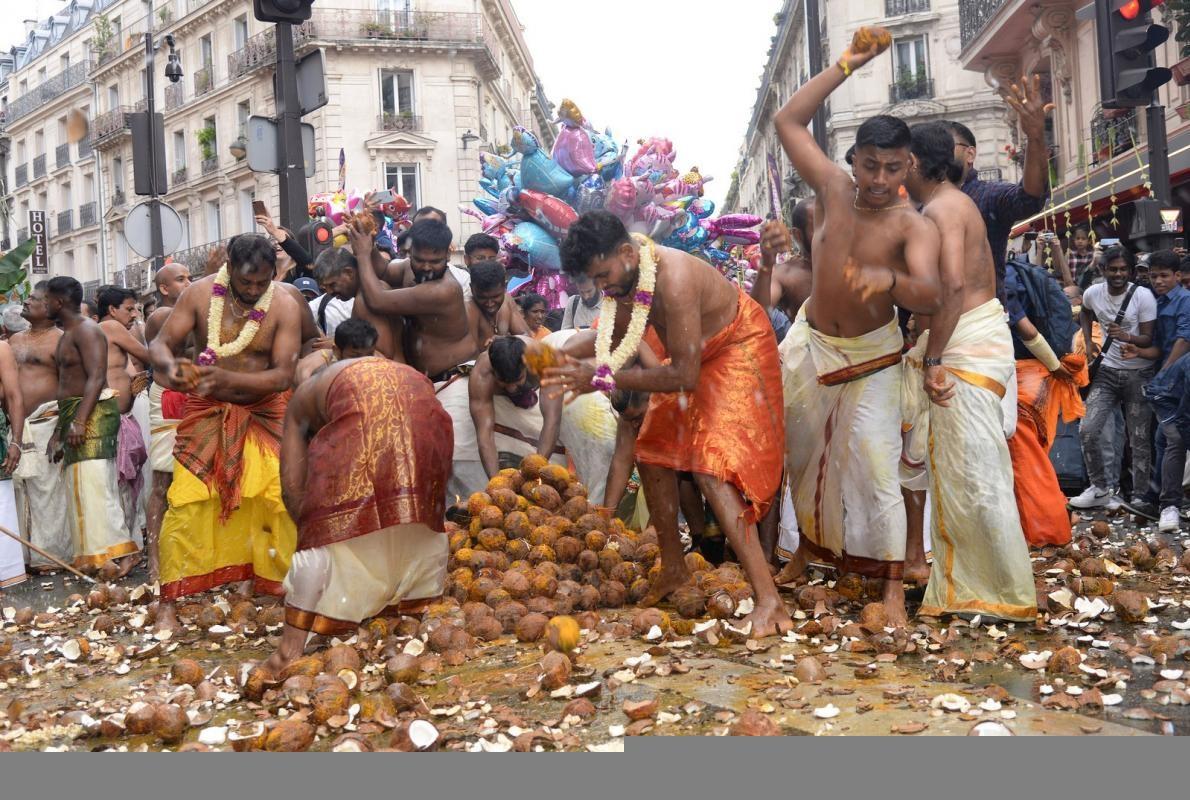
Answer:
(715, 410)
(226, 521)
(841, 359)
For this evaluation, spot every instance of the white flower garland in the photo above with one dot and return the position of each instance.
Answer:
(608, 361)
(216, 349)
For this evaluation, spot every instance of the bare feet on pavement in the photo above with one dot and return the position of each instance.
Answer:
(793, 569)
(769, 620)
(894, 603)
(670, 580)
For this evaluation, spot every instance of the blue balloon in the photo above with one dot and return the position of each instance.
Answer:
(486, 205)
(534, 245)
(538, 171)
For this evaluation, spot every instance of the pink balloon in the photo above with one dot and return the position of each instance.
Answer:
(574, 151)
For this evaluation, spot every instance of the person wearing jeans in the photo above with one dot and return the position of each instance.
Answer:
(1127, 314)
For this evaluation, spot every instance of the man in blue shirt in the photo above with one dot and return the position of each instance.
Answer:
(1001, 203)
(1171, 344)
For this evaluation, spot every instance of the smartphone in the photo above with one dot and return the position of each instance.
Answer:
(382, 197)
(1179, 243)
(1109, 242)
(259, 209)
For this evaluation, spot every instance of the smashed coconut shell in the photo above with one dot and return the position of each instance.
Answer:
(754, 723)
(290, 736)
(186, 671)
(555, 670)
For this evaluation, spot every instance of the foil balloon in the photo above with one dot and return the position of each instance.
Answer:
(539, 171)
(573, 149)
(590, 194)
(551, 213)
(530, 242)
(609, 155)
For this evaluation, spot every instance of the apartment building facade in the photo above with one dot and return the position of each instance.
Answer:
(919, 80)
(416, 89)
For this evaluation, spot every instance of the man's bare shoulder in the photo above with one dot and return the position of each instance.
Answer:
(158, 316)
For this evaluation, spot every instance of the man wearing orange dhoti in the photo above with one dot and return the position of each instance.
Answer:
(365, 457)
(716, 408)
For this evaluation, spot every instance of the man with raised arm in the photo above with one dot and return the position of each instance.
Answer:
(39, 482)
(165, 411)
(715, 409)
(226, 522)
(88, 429)
(438, 338)
(957, 376)
(841, 360)
(337, 272)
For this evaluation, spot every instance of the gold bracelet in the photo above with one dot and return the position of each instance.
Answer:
(843, 65)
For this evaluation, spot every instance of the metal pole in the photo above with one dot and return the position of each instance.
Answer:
(1158, 152)
(814, 49)
(157, 246)
(292, 173)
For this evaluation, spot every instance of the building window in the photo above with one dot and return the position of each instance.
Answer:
(179, 150)
(243, 111)
(395, 12)
(247, 218)
(64, 62)
(113, 97)
(911, 69)
(118, 174)
(208, 50)
(184, 244)
(404, 179)
(396, 92)
(241, 29)
(214, 223)
(92, 262)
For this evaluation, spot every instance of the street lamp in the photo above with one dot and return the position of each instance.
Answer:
(469, 137)
(238, 148)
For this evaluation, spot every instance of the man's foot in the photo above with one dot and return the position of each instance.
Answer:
(894, 603)
(126, 565)
(769, 619)
(670, 580)
(1170, 521)
(793, 569)
(1143, 508)
(1093, 497)
(917, 573)
(167, 619)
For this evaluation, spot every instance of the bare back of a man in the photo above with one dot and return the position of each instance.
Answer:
(964, 244)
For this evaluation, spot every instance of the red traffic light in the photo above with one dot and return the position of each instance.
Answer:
(322, 234)
(1131, 9)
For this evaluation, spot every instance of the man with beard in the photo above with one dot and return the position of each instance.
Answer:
(117, 308)
(582, 310)
(88, 433)
(438, 339)
(841, 360)
(40, 483)
(337, 272)
(226, 522)
(165, 411)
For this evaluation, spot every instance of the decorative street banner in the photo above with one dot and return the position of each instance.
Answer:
(41, 252)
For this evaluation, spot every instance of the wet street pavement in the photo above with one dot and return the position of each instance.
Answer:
(1100, 661)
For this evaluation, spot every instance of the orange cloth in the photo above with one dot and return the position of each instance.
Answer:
(1041, 398)
(732, 427)
(211, 438)
(381, 460)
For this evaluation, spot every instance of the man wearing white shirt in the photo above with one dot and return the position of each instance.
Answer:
(1119, 382)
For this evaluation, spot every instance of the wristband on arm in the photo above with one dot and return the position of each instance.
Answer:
(1042, 351)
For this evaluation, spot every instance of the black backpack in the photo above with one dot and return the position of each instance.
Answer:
(1047, 307)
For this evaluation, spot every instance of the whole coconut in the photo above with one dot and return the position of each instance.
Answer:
(491, 539)
(532, 465)
(330, 698)
(531, 627)
(515, 479)
(645, 619)
(517, 525)
(402, 668)
(567, 548)
(590, 522)
(638, 590)
(540, 553)
(403, 697)
(260, 678)
(608, 559)
(478, 502)
(517, 549)
(689, 602)
(497, 596)
(516, 584)
(139, 718)
(537, 516)
(170, 722)
(544, 585)
(1093, 567)
(588, 560)
(509, 614)
(486, 629)
(647, 553)
(543, 534)
(290, 736)
(505, 500)
(555, 670)
(491, 517)
(873, 618)
(545, 496)
(612, 594)
(556, 476)
(575, 489)
(186, 671)
(574, 508)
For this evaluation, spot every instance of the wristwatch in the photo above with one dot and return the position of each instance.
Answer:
(932, 362)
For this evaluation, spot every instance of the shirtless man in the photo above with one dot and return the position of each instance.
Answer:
(39, 483)
(870, 252)
(963, 363)
(87, 434)
(337, 272)
(165, 410)
(222, 527)
(354, 338)
(117, 314)
(491, 312)
(438, 339)
(788, 284)
(722, 356)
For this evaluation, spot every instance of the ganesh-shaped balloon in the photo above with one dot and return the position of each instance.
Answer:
(573, 149)
(539, 171)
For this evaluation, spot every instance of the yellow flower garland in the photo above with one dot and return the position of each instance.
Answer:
(215, 319)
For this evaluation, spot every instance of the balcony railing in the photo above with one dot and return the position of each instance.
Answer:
(1112, 136)
(117, 198)
(49, 89)
(39, 166)
(210, 165)
(910, 89)
(85, 148)
(65, 221)
(178, 176)
(22, 174)
(204, 80)
(175, 95)
(974, 16)
(130, 38)
(455, 27)
(398, 122)
(261, 51)
(110, 124)
(195, 258)
(62, 155)
(87, 214)
(898, 8)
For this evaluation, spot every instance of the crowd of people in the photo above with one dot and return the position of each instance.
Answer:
(890, 387)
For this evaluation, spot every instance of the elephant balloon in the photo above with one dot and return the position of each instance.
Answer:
(539, 171)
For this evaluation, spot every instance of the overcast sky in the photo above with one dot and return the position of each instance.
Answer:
(687, 71)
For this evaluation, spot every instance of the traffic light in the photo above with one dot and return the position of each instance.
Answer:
(315, 237)
(294, 11)
(1127, 37)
